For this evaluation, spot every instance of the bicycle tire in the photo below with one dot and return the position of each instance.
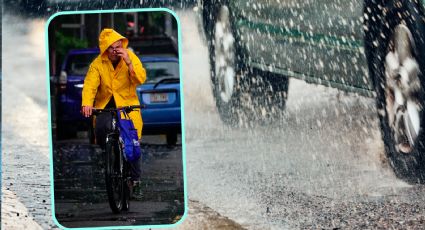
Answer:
(126, 187)
(114, 176)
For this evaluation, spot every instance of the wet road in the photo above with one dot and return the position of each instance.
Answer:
(25, 149)
(80, 192)
(323, 166)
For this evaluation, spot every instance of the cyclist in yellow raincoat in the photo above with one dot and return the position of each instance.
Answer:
(111, 82)
(115, 73)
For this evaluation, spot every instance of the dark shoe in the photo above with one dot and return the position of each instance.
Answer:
(137, 190)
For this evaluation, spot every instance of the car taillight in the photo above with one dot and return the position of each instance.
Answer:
(63, 78)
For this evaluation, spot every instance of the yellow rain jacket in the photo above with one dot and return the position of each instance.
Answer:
(103, 81)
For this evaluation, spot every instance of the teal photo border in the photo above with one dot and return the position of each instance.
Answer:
(182, 115)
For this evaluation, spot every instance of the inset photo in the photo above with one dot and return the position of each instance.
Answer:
(117, 137)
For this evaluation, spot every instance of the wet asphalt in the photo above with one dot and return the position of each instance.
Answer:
(322, 167)
(80, 192)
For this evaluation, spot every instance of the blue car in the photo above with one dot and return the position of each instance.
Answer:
(160, 94)
(69, 87)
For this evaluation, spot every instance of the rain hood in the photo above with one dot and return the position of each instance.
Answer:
(107, 37)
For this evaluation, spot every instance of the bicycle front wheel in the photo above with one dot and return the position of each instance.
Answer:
(114, 176)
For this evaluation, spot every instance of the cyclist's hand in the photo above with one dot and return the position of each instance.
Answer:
(121, 52)
(86, 110)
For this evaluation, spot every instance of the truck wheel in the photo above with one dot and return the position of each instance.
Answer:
(398, 68)
(244, 96)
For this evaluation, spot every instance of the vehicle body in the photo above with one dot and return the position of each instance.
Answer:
(160, 117)
(372, 47)
(308, 32)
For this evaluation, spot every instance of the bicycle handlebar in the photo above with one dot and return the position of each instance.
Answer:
(127, 109)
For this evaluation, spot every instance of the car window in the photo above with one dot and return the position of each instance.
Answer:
(157, 71)
(78, 64)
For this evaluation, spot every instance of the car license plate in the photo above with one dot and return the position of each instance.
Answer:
(159, 97)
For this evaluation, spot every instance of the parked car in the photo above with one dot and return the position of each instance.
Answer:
(161, 96)
(69, 87)
(372, 47)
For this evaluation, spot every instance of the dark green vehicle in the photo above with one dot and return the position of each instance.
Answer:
(373, 47)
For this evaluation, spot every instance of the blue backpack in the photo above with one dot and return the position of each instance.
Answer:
(129, 137)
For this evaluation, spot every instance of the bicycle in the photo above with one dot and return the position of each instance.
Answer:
(117, 172)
